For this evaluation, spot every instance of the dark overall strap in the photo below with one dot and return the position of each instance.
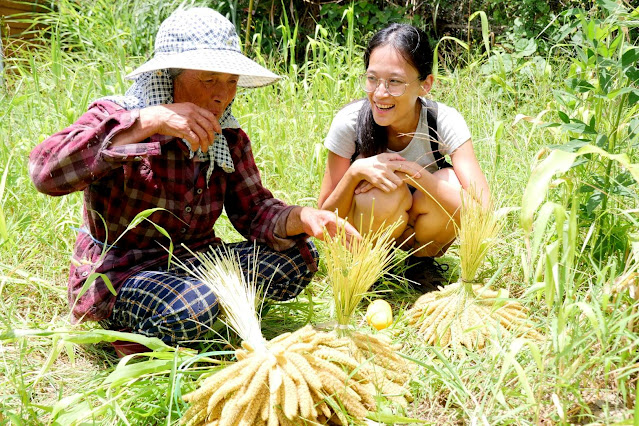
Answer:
(431, 115)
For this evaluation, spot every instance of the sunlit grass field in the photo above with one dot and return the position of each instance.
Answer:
(562, 252)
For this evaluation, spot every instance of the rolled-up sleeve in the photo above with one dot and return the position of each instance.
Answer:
(75, 157)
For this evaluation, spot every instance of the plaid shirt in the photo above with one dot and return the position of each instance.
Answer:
(121, 181)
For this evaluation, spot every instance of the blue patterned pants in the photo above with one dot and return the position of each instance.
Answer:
(174, 306)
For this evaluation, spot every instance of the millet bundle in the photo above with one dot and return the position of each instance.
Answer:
(465, 312)
(308, 374)
(352, 267)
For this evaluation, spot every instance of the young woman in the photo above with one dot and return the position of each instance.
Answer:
(385, 157)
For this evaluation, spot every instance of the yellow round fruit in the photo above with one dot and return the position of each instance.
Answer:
(379, 314)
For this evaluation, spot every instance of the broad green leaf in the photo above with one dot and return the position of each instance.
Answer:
(633, 97)
(602, 141)
(605, 81)
(89, 336)
(64, 403)
(563, 116)
(141, 216)
(633, 75)
(542, 222)
(73, 414)
(551, 274)
(90, 279)
(16, 333)
(537, 187)
(498, 80)
(573, 146)
(622, 159)
(68, 348)
(436, 50)
(166, 234)
(509, 359)
(123, 374)
(630, 57)
(98, 335)
(587, 310)
(594, 201)
(618, 92)
(633, 128)
(107, 282)
(579, 85)
(485, 32)
(564, 98)
(616, 43)
(579, 127)
(610, 6)
(559, 162)
(525, 47)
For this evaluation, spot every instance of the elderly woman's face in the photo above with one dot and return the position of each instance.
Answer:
(213, 91)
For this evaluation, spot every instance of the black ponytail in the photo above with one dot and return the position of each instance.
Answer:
(371, 138)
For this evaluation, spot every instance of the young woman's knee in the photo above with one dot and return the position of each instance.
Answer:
(377, 207)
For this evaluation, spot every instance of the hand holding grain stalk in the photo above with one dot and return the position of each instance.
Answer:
(465, 312)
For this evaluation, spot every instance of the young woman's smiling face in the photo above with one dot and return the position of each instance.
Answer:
(400, 113)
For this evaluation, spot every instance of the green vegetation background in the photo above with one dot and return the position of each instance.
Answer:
(550, 96)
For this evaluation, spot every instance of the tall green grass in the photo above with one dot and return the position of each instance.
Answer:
(584, 371)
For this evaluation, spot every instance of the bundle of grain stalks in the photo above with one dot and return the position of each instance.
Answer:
(352, 268)
(465, 312)
(305, 376)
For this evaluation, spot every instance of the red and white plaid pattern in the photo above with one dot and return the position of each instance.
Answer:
(120, 182)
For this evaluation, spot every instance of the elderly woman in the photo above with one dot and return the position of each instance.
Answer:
(172, 144)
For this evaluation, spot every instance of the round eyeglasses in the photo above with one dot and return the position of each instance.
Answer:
(394, 86)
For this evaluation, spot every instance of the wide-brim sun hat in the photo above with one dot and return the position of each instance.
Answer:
(200, 38)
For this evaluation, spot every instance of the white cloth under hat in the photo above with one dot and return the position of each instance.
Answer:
(200, 38)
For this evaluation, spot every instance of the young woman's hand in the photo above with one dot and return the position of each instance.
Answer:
(384, 171)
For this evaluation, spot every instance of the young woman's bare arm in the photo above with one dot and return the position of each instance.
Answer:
(338, 185)
(469, 173)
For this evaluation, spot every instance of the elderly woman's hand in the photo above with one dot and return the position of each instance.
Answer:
(183, 120)
(313, 222)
